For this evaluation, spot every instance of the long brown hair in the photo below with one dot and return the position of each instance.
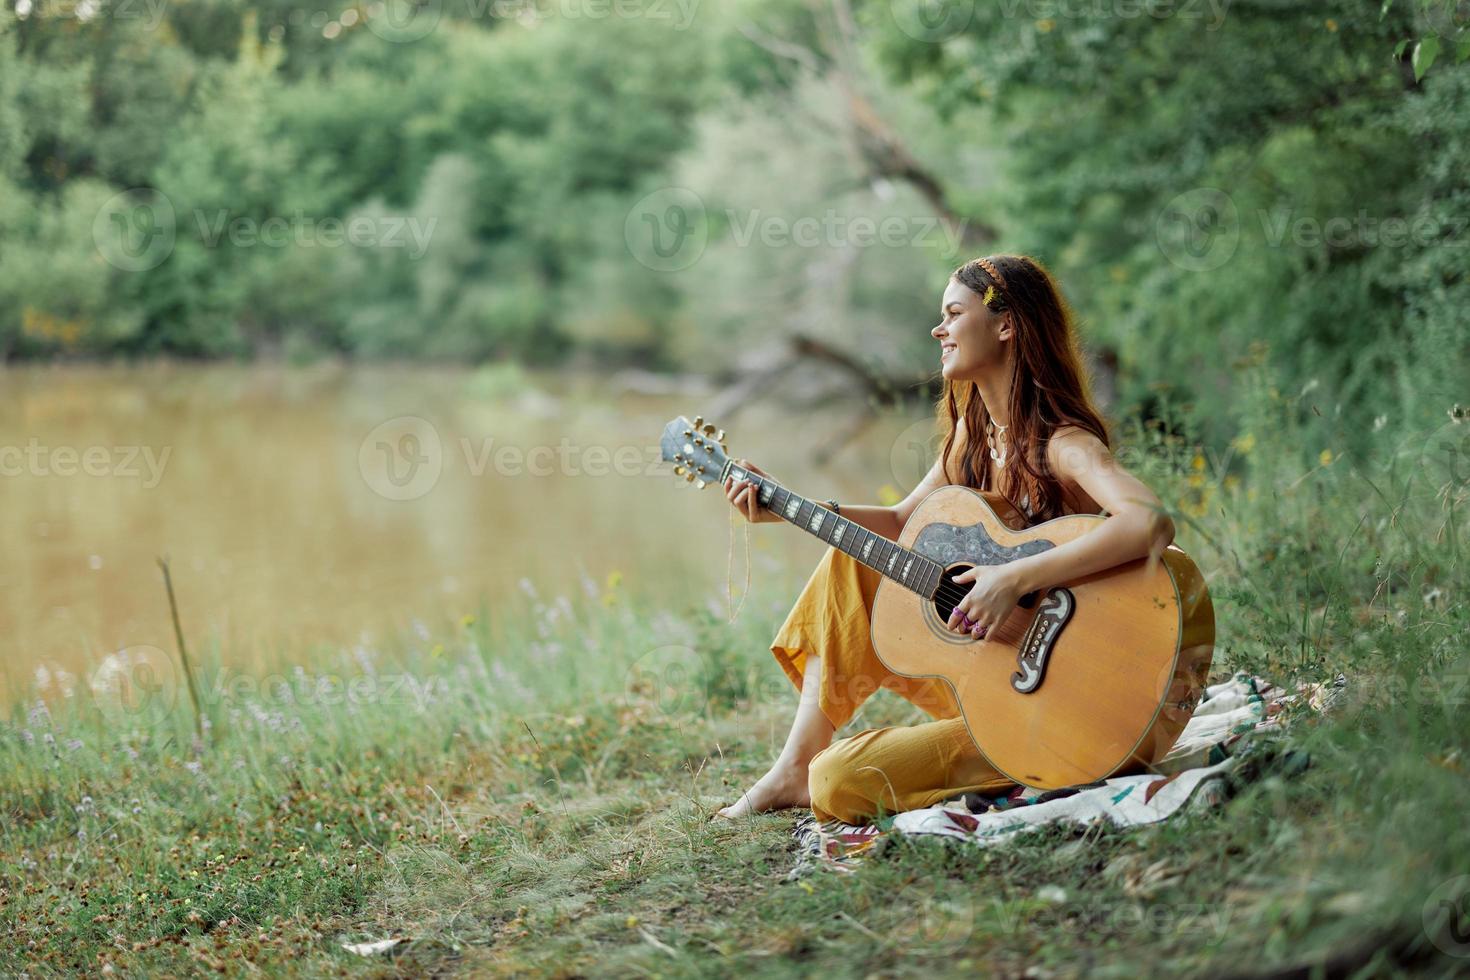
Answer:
(1049, 387)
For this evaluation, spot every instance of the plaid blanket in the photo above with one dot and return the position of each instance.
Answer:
(1224, 737)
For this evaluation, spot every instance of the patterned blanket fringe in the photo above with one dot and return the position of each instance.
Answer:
(1231, 739)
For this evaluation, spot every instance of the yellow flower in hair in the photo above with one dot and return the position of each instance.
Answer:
(989, 295)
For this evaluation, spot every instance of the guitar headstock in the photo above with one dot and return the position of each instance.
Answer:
(697, 450)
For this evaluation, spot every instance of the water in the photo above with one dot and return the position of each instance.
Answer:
(310, 508)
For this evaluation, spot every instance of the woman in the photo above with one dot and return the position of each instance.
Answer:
(1013, 376)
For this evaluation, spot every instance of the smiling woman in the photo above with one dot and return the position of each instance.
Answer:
(1012, 373)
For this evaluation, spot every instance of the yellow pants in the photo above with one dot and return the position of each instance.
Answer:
(881, 769)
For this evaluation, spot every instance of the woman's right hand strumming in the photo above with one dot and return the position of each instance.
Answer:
(741, 495)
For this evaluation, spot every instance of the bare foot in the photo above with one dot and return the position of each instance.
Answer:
(783, 786)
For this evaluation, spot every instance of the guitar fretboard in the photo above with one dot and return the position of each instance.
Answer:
(906, 567)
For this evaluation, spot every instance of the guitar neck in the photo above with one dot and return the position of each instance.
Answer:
(893, 561)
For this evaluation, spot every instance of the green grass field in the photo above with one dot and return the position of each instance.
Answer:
(524, 795)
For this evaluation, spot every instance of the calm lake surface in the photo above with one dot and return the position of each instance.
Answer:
(310, 508)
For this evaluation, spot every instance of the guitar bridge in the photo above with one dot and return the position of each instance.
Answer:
(1057, 606)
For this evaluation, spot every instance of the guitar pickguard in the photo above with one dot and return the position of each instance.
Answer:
(950, 543)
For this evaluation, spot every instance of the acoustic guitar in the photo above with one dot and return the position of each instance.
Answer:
(1088, 678)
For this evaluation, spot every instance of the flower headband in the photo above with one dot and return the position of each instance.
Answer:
(990, 292)
(989, 267)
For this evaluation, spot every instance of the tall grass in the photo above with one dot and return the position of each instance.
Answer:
(527, 788)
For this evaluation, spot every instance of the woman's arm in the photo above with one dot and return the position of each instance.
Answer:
(1136, 527)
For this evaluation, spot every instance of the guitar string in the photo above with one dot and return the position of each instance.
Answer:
(947, 591)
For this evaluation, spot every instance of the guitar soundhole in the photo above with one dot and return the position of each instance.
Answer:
(951, 592)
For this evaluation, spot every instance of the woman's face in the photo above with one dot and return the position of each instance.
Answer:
(972, 337)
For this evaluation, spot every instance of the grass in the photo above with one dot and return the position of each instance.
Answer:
(525, 796)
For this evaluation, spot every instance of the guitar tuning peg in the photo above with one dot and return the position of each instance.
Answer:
(720, 438)
(708, 429)
(680, 470)
(698, 421)
(700, 484)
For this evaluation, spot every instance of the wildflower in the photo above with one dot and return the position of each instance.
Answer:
(194, 766)
(1379, 421)
(364, 659)
(1326, 457)
(1198, 463)
(72, 744)
(466, 621)
(28, 735)
(1244, 443)
(39, 712)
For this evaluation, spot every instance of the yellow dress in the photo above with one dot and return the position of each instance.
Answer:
(881, 769)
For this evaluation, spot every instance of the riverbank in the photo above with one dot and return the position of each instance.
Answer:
(535, 799)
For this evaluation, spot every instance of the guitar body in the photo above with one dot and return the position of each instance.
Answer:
(1098, 677)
